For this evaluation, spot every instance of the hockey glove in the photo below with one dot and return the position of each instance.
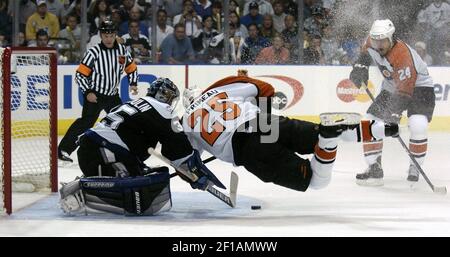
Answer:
(359, 74)
(199, 176)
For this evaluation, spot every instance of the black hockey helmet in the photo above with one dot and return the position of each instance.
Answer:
(164, 90)
(107, 26)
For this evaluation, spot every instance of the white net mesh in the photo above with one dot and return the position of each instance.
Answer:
(30, 122)
(30, 116)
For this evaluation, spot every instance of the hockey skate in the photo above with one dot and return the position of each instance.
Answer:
(332, 124)
(413, 174)
(373, 176)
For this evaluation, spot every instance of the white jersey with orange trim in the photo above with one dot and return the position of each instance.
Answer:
(211, 120)
(402, 68)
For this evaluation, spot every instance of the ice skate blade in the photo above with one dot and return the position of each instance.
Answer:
(371, 182)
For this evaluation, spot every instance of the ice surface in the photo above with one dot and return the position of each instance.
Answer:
(342, 209)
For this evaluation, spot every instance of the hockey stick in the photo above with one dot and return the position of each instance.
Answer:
(438, 190)
(234, 179)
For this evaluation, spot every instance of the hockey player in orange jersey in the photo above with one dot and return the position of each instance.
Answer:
(406, 86)
(230, 120)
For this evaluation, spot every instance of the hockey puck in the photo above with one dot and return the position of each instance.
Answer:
(256, 207)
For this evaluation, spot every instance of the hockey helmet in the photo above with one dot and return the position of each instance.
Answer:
(108, 27)
(382, 29)
(164, 90)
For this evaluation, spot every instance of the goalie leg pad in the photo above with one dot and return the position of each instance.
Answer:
(146, 195)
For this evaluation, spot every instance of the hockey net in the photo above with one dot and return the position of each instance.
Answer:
(28, 154)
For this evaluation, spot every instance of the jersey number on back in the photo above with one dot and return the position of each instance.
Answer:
(229, 110)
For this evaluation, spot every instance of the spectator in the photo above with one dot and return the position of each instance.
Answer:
(189, 18)
(72, 33)
(3, 41)
(203, 7)
(307, 8)
(173, 8)
(275, 54)
(291, 38)
(278, 16)
(267, 29)
(236, 45)
(446, 58)
(176, 48)
(253, 45)
(314, 54)
(125, 9)
(68, 7)
(55, 7)
(27, 8)
(217, 16)
(264, 6)
(314, 24)
(234, 6)
(42, 19)
(421, 49)
(21, 39)
(116, 17)
(330, 46)
(134, 15)
(5, 22)
(253, 17)
(99, 13)
(434, 23)
(42, 39)
(240, 29)
(162, 29)
(201, 42)
(290, 7)
(138, 43)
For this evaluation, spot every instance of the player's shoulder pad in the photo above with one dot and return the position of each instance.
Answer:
(165, 110)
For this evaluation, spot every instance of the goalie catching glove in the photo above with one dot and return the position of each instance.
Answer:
(197, 174)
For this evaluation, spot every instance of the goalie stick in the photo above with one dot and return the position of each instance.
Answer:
(436, 189)
(234, 179)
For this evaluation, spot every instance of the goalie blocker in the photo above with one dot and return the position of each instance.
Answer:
(131, 196)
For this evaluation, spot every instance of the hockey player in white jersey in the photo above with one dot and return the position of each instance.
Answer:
(406, 86)
(230, 121)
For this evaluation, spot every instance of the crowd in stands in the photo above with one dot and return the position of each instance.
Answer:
(260, 31)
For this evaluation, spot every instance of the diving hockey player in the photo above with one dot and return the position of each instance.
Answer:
(111, 157)
(406, 86)
(231, 121)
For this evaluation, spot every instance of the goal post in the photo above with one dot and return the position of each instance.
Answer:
(28, 153)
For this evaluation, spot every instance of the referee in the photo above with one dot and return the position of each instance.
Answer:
(98, 76)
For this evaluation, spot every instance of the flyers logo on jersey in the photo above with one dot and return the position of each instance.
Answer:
(121, 59)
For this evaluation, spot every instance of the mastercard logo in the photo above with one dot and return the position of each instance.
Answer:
(347, 92)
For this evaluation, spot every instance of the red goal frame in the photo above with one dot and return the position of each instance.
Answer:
(53, 109)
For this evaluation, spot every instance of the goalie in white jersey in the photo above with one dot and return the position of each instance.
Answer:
(229, 121)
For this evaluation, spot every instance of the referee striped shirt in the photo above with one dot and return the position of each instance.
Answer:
(101, 69)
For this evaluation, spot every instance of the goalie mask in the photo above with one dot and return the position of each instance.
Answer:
(165, 91)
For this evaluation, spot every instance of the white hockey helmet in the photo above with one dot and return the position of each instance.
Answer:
(382, 29)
